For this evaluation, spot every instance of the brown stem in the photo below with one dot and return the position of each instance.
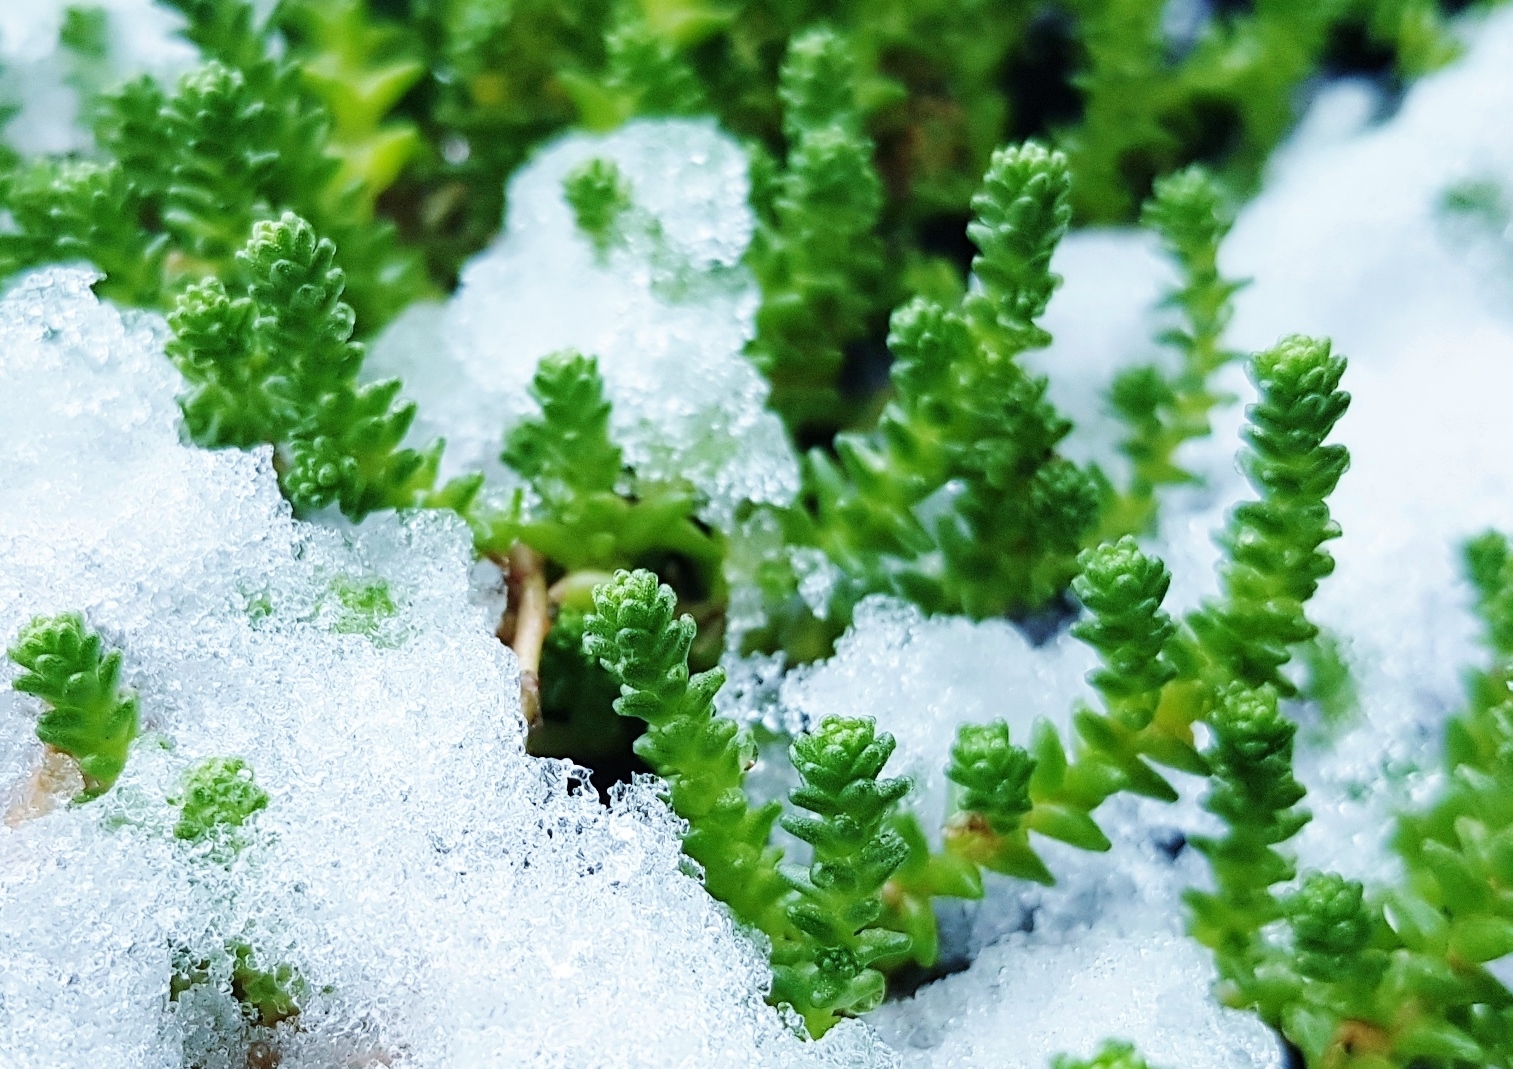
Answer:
(55, 780)
(526, 623)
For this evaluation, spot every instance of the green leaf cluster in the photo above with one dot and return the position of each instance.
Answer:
(89, 715)
(1391, 976)
(958, 501)
(1157, 678)
(271, 359)
(1127, 91)
(217, 798)
(591, 512)
(635, 634)
(1252, 790)
(825, 920)
(1273, 557)
(1112, 1055)
(828, 972)
(184, 173)
(1008, 791)
(600, 197)
(360, 68)
(218, 795)
(1192, 214)
(1149, 108)
(817, 254)
(67, 210)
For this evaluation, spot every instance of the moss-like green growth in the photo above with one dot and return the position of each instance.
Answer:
(218, 795)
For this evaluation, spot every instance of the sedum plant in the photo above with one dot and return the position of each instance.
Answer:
(218, 796)
(816, 252)
(272, 360)
(828, 971)
(89, 715)
(584, 521)
(958, 500)
(635, 635)
(1192, 214)
(332, 129)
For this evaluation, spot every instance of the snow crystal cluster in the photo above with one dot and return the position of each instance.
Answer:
(667, 312)
(438, 898)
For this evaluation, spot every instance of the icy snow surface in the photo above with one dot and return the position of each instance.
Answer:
(446, 900)
(41, 79)
(667, 314)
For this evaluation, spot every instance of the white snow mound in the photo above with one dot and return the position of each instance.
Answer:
(443, 900)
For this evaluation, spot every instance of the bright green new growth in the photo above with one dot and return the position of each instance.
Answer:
(1273, 545)
(816, 253)
(186, 173)
(1122, 590)
(1112, 1055)
(990, 825)
(1330, 924)
(1254, 793)
(634, 633)
(272, 360)
(216, 799)
(1192, 214)
(958, 501)
(322, 150)
(218, 794)
(363, 604)
(599, 196)
(575, 469)
(567, 452)
(360, 69)
(1010, 792)
(827, 974)
(90, 716)
(1021, 214)
(993, 774)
